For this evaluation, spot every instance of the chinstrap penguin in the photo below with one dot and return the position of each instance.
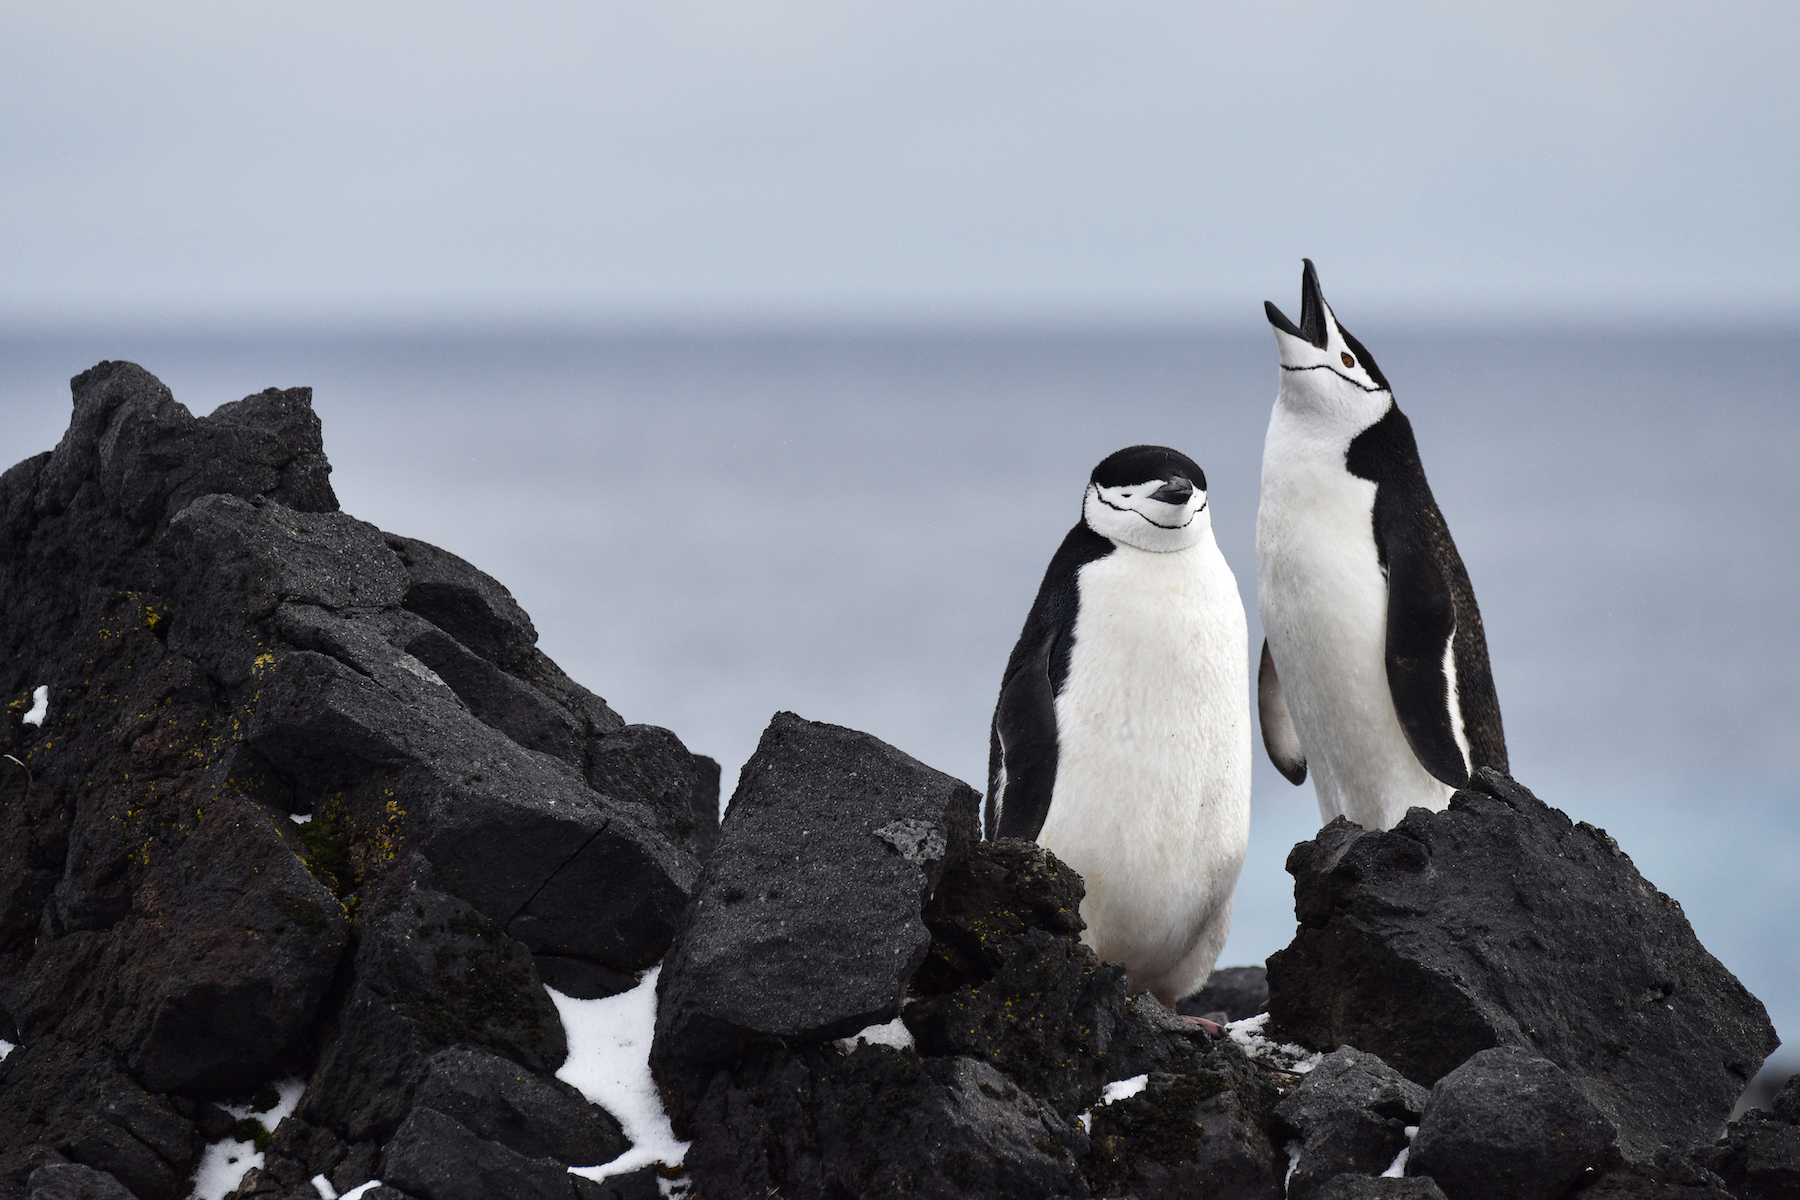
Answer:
(1121, 741)
(1375, 669)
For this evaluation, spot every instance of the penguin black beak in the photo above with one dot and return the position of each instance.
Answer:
(1312, 310)
(1176, 491)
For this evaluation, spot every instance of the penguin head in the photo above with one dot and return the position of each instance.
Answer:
(1322, 365)
(1150, 497)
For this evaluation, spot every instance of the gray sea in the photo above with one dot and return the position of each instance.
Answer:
(708, 527)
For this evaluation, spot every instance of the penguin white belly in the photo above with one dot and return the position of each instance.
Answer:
(1323, 598)
(1151, 802)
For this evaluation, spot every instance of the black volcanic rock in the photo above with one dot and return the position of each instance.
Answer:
(1758, 1158)
(1500, 922)
(878, 1124)
(806, 925)
(1364, 1187)
(70, 1103)
(1204, 1133)
(1238, 992)
(1006, 981)
(435, 1157)
(535, 1115)
(224, 651)
(1508, 1125)
(1350, 1114)
(72, 1181)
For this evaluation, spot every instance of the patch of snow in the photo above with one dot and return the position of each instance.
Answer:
(300, 818)
(40, 705)
(1283, 1056)
(6, 1048)
(224, 1164)
(323, 1186)
(1122, 1089)
(1398, 1167)
(1118, 1089)
(892, 1033)
(609, 1063)
(356, 1192)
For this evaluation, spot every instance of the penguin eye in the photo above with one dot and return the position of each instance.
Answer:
(1348, 361)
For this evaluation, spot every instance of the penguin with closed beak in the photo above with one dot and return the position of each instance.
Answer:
(1375, 668)
(1121, 740)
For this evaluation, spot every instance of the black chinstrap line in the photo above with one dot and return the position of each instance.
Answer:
(1339, 374)
(1101, 496)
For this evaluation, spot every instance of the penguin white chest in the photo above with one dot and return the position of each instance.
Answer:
(1151, 799)
(1323, 598)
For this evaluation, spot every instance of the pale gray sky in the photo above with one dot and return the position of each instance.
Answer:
(192, 163)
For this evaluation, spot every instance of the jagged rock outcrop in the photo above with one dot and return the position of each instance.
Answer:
(303, 797)
(283, 794)
(806, 925)
(1349, 1116)
(1015, 1026)
(1499, 922)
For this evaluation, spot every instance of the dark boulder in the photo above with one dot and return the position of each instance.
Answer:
(1364, 1187)
(1349, 1115)
(1203, 1133)
(1007, 981)
(432, 972)
(1501, 922)
(1758, 1158)
(806, 925)
(72, 1181)
(1508, 1125)
(1238, 992)
(650, 766)
(535, 1115)
(69, 1103)
(434, 1157)
(878, 1123)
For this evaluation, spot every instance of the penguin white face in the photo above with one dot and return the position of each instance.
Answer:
(1148, 497)
(1323, 368)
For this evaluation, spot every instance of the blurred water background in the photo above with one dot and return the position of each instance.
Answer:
(709, 526)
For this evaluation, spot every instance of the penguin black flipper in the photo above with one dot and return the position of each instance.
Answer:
(1437, 662)
(1280, 738)
(1022, 744)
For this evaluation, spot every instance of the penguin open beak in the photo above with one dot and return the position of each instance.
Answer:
(1176, 491)
(1312, 310)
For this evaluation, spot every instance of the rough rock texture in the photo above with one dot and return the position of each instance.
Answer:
(806, 926)
(879, 1123)
(1238, 992)
(1759, 1156)
(1017, 1028)
(1202, 1133)
(437, 1158)
(1508, 1125)
(72, 1181)
(223, 650)
(1349, 1115)
(1363, 1187)
(1006, 981)
(1500, 922)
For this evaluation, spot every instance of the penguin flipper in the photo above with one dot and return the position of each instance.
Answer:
(1022, 749)
(1280, 738)
(1421, 663)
